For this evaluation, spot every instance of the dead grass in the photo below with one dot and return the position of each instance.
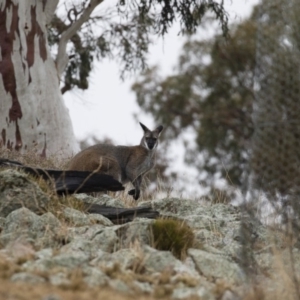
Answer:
(172, 235)
(25, 291)
(7, 268)
(31, 158)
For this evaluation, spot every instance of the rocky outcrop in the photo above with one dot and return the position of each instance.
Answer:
(17, 190)
(53, 249)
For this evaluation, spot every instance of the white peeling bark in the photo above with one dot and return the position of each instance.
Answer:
(32, 111)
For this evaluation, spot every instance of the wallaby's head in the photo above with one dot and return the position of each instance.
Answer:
(150, 138)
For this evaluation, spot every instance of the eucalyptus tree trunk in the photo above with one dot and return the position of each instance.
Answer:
(32, 111)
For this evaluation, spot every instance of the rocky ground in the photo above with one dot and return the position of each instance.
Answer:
(56, 250)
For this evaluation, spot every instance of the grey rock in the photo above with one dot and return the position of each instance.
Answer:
(27, 277)
(157, 261)
(83, 245)
(124, 258)
(76, 217)
(103, 259)
(23, 220)
(229, 295)
(272, 263)
(77, 232)
(145, 203)
(38, 230)
(217, 266)
(87, 232)
(115, 203)
(119, 286)
(49, 221)
(103, 199)
(144, 287)
(217, 225)
(62, 261)
(70, 260)
(234, 250)
(44, 253)
(99, 219)
(194, 293)
(137, 230)
(59, 279)
(175, 206)
(102, 238)
(94, 277)
(205, 237)
(187, 268)
(17, 190)
(198, 215)
(89, 199)
(106, 239)
(127, 258)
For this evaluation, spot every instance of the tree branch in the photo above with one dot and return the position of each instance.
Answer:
(62, 58)
(49, 6)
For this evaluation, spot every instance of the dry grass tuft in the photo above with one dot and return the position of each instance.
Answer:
(76, 281)
(25, 291)
(7, 268)
(255, 293)
(33, 159)
(112, 271)
(172, 235)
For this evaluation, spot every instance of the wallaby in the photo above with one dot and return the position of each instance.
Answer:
(124, 163)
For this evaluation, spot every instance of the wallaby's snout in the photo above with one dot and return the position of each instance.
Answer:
(151, 142)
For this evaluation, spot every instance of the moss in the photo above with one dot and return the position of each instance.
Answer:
(172, 235)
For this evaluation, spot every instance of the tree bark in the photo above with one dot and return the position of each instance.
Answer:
(32, 111)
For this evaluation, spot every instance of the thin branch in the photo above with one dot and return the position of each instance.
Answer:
(49, 6)
(62, 57)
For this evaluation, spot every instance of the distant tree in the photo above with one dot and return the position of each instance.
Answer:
(217, 88)
(275, 156)
(32, 112)
(212, 93)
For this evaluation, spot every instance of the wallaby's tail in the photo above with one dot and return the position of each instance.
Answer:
(70, 182)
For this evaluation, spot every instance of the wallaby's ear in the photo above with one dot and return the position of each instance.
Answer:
(159, 129)
(144, 127)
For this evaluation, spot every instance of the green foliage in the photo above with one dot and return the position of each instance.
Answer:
(210, 93)
(188, 12)
(275, 151)
(213, 91)
(123, 32)
(172, 235)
